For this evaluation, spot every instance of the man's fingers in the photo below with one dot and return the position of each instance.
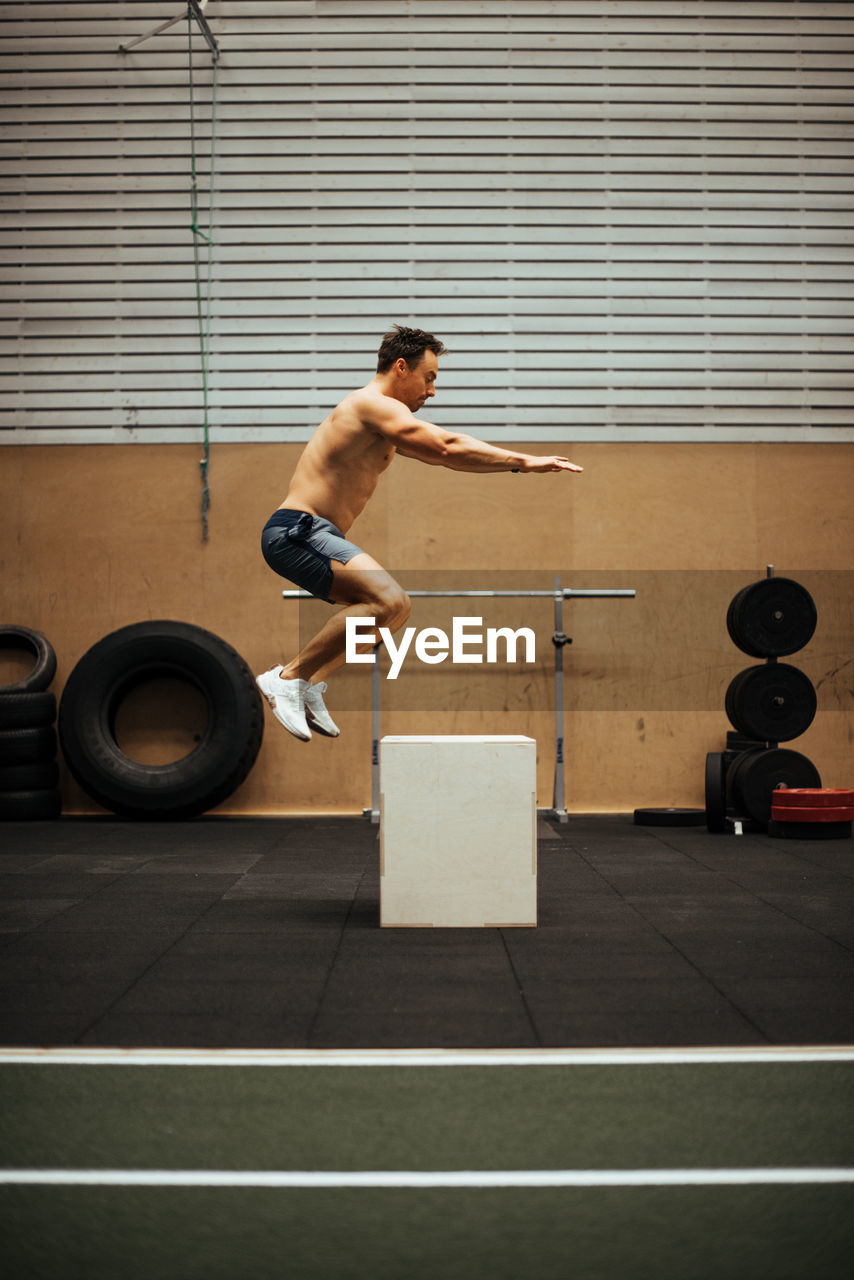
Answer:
(552, 464)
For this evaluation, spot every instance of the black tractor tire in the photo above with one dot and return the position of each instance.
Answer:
(145, 651)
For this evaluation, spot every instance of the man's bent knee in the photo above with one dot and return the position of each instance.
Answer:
(363, 581)
(393, 607)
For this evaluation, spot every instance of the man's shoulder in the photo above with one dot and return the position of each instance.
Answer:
(368, 407)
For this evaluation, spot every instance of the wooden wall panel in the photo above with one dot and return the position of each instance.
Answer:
(93, 538)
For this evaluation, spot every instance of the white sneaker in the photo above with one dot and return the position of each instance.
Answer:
(287, 698)
(315, 711)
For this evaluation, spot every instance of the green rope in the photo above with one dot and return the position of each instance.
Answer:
(203, 313)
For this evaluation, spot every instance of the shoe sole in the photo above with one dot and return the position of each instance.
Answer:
(318, 727)
(271, 699)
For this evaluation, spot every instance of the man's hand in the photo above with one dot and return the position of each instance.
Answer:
(536, 464)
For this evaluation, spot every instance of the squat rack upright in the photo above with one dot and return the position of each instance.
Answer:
(559, 640)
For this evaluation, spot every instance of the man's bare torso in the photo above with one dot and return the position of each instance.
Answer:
(342, 462)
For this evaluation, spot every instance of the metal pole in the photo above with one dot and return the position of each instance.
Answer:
(599, 593)
(374, 811)
(568, 593)
(559, 639)
(123, 48)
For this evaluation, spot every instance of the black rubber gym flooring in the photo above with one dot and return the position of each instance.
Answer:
(264, 933)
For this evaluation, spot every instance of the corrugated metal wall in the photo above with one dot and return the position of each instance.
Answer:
(629, 221)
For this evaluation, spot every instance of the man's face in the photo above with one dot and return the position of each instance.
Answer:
(416, 384)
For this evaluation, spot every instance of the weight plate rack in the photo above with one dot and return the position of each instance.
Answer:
(766, 704)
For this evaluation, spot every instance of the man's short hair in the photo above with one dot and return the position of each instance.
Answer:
(406, 344)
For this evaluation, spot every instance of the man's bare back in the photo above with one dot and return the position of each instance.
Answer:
(334, 478)
(341, 464)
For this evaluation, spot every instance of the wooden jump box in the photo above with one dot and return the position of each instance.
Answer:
(458, 831)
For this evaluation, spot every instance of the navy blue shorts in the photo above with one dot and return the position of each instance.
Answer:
(299, 546)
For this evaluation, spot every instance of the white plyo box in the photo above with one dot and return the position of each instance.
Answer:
(458, 831)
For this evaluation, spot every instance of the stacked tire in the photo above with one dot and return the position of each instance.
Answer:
(29, 775)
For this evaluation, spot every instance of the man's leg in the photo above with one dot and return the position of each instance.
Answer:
(366, 590)
(295, 690)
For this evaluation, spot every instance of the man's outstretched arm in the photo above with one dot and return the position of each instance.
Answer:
(459, 452)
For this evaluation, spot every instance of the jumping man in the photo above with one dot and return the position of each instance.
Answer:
(304, 540)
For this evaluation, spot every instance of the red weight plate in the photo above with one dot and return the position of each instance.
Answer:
(822, 813)
(813, 797)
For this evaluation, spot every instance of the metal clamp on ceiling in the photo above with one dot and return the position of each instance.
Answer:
(194, 9)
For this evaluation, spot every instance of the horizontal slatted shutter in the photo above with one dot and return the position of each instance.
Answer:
(628, 221)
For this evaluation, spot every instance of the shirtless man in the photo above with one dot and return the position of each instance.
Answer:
(305, 538)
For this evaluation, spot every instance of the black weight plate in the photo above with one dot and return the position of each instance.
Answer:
(772, 618)
(772, 702)
(810, 830)
(759, 773)
(715, 791)
(730, 698)
(734, 605)
(670, 817)
(733, 793)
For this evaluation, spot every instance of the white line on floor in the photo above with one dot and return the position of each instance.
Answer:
(421, 1057)
(423, 1179)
